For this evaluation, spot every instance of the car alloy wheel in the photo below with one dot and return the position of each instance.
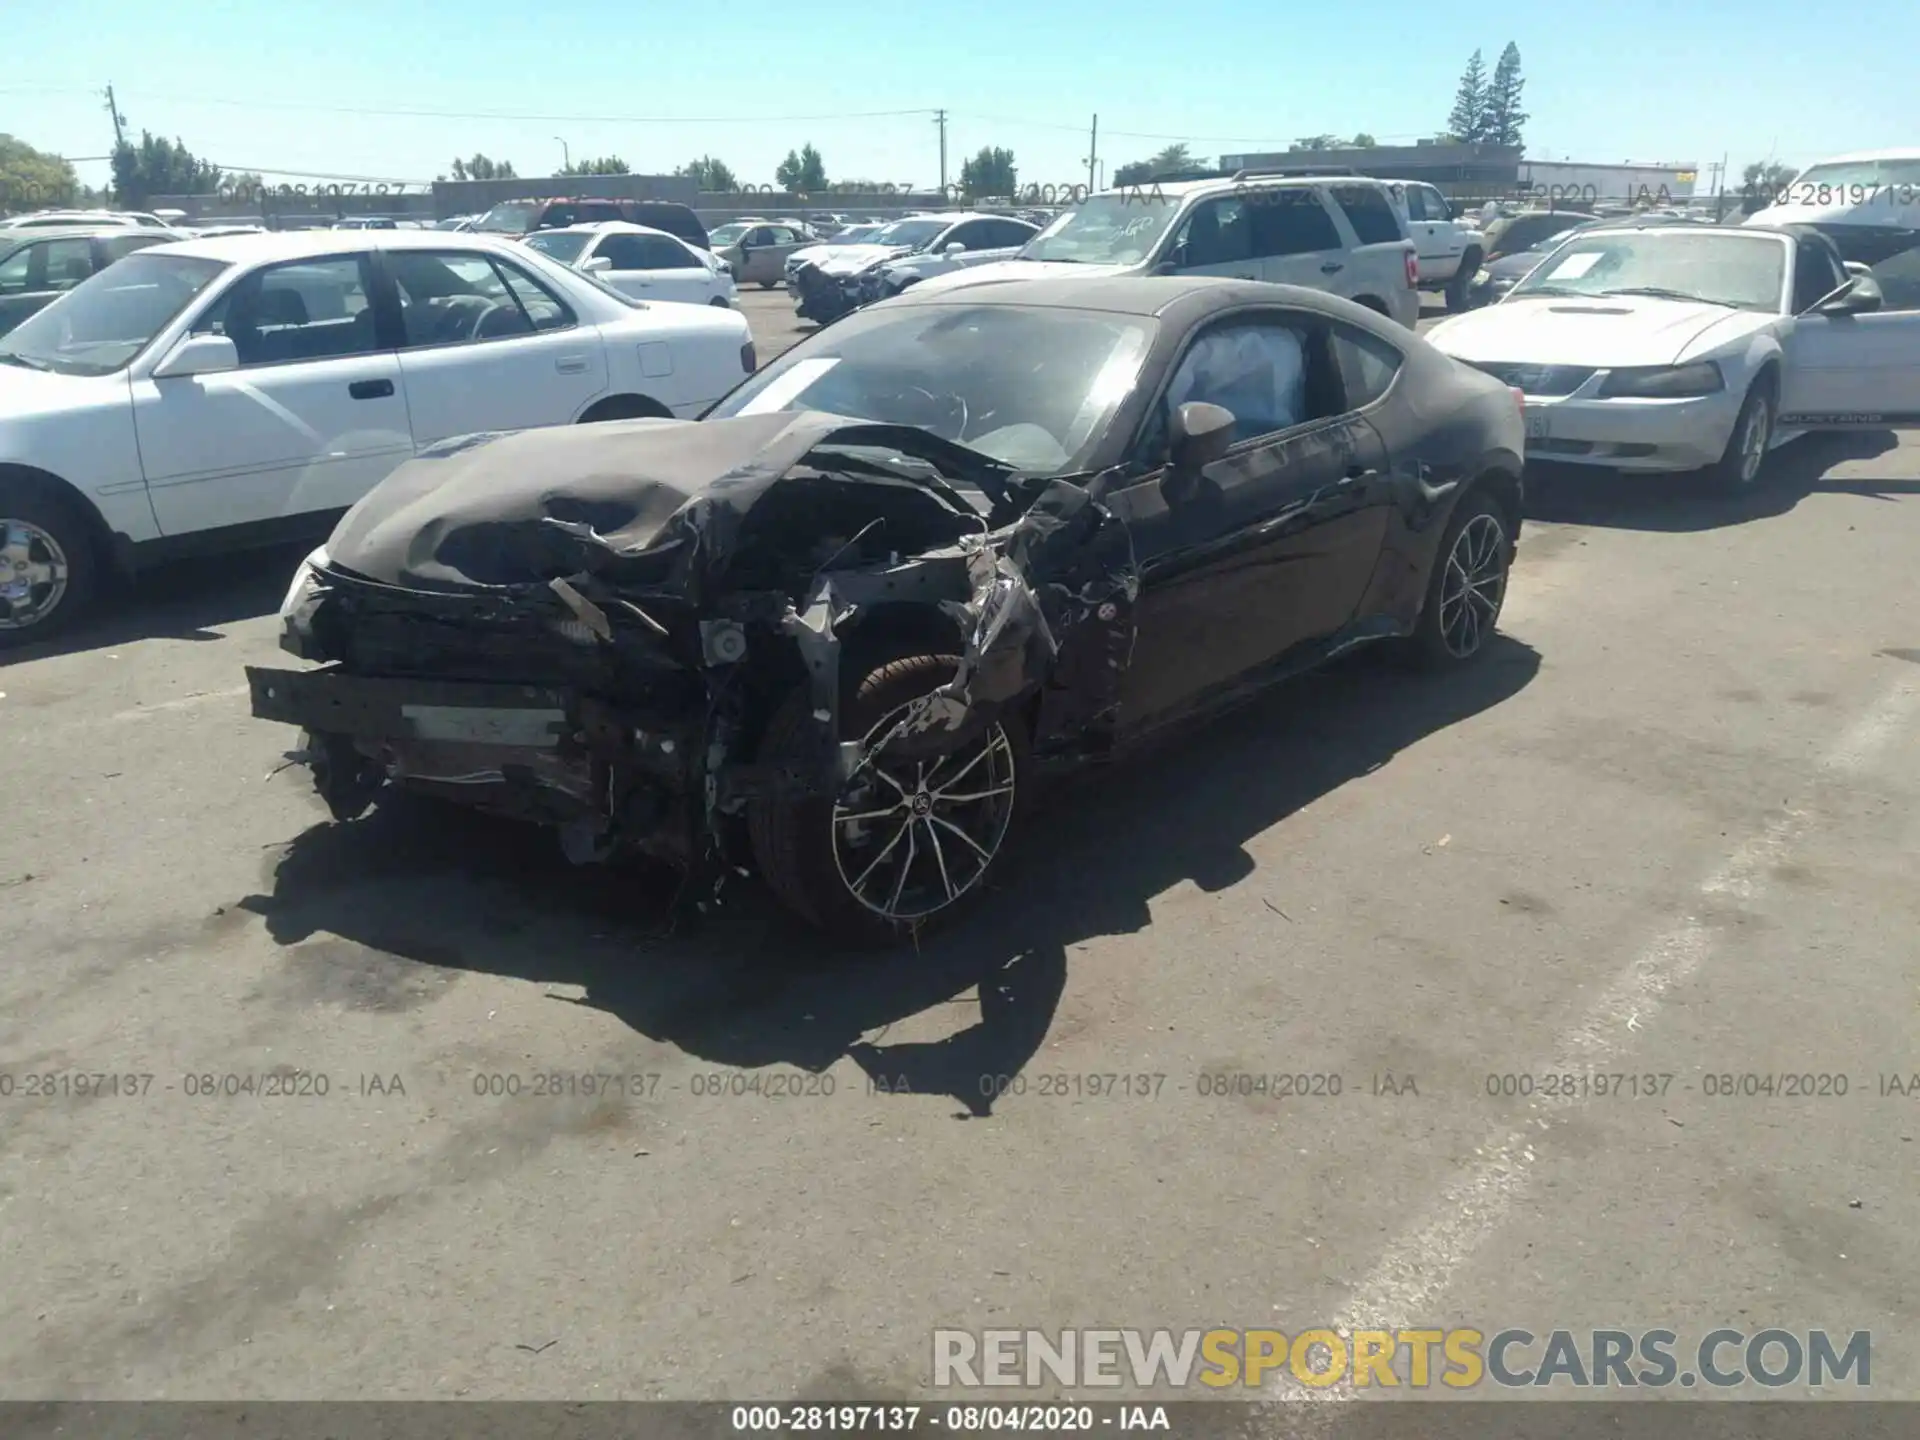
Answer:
(913, 832)
(33, 574)
(1753, 440)
(1473, 586)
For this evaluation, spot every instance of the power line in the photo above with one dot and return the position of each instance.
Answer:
(1157, 135)
(505, 115)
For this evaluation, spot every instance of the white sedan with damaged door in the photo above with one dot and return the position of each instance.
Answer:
(221, 394)
(1678, 348)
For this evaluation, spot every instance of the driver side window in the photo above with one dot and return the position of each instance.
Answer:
(1219, 232)
(1258, 369)
(1814, 276)
(451, 299)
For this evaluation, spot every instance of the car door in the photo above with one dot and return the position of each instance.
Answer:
(486, 346)
(1276, 547)
(313, 418)
(676, 272)
(1854, 371)
(1217, 238)
(1298, 242)
(1421, 228)
(39, 273)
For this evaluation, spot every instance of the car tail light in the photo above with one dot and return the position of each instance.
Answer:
(1519, 399)
(1413, 270)
(749, 362)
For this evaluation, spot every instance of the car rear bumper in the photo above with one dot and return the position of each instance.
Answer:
(1649, 435)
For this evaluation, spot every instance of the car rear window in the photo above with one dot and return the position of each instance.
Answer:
(1371, 214)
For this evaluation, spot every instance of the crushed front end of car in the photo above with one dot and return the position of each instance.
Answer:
(823, 296)
(595, 627)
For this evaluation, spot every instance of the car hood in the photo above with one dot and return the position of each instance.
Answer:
(1014, 269)
(1621, 330)
(658, 501)
(33, 394)
(846, 259)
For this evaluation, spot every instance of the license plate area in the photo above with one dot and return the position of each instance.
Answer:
(517, 716)
(1539, 423)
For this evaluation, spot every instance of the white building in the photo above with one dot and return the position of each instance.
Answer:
(1573, 181)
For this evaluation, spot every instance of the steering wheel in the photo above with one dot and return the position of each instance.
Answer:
(480, 321)
(949, 404)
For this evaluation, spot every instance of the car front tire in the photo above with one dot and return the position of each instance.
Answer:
(910, 842)
(1740, 466)
(1468, 586)
(1460, 288)
(49, 569)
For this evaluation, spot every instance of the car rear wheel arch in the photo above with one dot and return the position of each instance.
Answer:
(625, 407)
(78, 547)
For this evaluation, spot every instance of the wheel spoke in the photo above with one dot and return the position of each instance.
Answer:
(973, 844)
(860, 885)
(906, 868)
(940, 859)
(952, 799)
(870, 814)
(965, 770)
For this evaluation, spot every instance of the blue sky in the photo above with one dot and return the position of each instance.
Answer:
(293, 86)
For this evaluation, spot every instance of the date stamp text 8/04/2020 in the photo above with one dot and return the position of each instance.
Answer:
(286, 1084)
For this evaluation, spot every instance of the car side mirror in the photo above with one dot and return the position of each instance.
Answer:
(1199, 435)
(598, 265)
(1855, 267)
(198, 355)
(955, 248)
(1859, 296)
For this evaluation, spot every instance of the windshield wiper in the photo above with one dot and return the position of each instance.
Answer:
(1547, 290)
(1659, 293)
(24, 363)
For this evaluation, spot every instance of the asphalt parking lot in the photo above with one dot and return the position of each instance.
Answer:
(1668, 829)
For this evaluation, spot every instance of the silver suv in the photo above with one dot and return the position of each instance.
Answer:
(1342, 234)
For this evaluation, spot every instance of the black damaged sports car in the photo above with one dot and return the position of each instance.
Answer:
(836, 630)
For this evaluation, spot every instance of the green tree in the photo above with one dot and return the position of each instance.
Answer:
(803, 172)
(605, 165)
(158, 166)
(1171, 160)
(1503, 120)
(1468, 122)
(990, 172)
(479, 167)
(1316, 142)
(1134, 172)
(711, 175)
(1363, 141)
(31, 179)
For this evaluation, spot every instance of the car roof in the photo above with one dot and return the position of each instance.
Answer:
(1179, 189)
(32, 234)
(1155, 295)
(1857, 156)
(605, 227)
(275, 245)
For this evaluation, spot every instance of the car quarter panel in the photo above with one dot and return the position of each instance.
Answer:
(1445, 434)
(79, 430)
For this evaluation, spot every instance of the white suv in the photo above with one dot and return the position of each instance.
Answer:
(1450, 246)
(1340, 234)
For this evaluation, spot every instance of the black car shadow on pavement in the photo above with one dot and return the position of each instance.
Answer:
(422, 885)
(1586, 495)
(182, 600)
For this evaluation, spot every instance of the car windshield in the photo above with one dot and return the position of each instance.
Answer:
(563, 245)
(1115, 229)
(727, 234)
(908, 232)
(98, 326)
(511, 217)
(1033, 387)
(855, 234)
(1865, 173)
(1744, 272)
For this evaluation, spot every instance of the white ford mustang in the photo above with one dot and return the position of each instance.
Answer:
(1683, 347)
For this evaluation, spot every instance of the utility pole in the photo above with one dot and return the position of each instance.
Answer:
(566, 155)
(1093, 156)
(940, 119)
(119, 120)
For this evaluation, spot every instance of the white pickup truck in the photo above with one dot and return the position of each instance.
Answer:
(1450, 247)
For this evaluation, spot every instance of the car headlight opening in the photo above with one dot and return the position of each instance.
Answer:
(1665, 382)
